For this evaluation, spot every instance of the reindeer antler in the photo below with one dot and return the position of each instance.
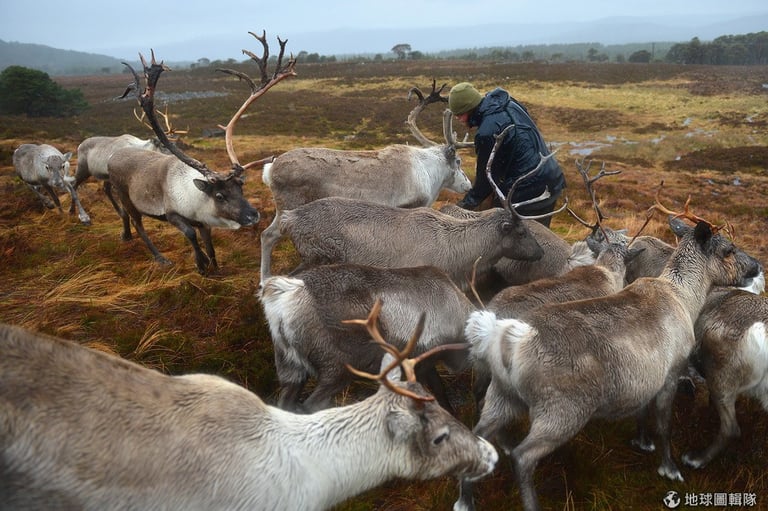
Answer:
(658, 206)
(588, 182)
(257, 90)
(146, 99)
(169, 129)
(400, 356)
(505, 199)
(433, 97)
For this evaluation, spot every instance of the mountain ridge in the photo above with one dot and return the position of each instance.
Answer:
(340, 42)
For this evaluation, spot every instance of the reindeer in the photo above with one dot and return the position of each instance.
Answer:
(179, 189)
(399, 175)
(342, 230)
(82, 429)
(93, 153)
(567, 363)
(305, 313)
(43, 166)
(732, 356)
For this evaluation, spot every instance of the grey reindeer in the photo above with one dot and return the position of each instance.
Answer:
(82, 429)
(341, 230)
(398, 175)
(732, 356)
(44, 166)
(305, 313)
(607, 357)
(94, 153)
(179, 189)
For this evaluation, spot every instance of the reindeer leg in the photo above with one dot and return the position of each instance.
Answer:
(725, 403)
(292, 377)
(205, 234)
(120, 211)
(329, 385)
(139, 225)
(553, 424)
(498, 411)
(643, 440)
(45, 200)
(81, 214)
(201, 260)
(664, 400)
(269, 237)
(53, 195)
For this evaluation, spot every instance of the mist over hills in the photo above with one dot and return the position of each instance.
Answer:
(360, 42)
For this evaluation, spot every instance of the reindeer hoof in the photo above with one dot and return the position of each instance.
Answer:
(692, 460)
(672, 473)
(642, 444)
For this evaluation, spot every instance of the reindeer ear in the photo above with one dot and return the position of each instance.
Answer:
(632, 253)
(702, 233)
(67, 156)
(401, 424)
(203, 186)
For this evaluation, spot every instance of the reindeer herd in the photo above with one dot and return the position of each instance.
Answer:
(389, 289)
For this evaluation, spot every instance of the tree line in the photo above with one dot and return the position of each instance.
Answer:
(748, 49)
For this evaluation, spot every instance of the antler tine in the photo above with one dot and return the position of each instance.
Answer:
(400, 357)
(433, 97)
(499, 140)
(146, 99)
(658, 206)
(588, 182)
(281, 72)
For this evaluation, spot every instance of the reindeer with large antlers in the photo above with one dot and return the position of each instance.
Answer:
(87, 430)
(399, 175)
(610, 357)
(178, 188)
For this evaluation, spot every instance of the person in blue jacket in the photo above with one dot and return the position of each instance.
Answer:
(519, 153)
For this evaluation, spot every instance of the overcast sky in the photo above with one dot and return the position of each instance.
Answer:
(121, 29)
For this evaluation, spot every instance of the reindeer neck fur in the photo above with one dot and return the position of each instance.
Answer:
(686, 273)
(337, 468)
(481, 236)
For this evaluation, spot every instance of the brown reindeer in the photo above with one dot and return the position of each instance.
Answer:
(179, 189)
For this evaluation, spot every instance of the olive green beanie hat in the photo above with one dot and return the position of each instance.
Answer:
(463, 98)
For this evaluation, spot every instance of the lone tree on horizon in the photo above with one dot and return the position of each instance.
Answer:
(402, 50)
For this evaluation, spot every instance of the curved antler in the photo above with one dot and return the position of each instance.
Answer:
(146, 99)
(658, 206)
(433, 97)
(400, 356)
(257, 90)
(505, 199)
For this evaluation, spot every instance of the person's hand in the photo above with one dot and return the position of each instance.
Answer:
(468, 202)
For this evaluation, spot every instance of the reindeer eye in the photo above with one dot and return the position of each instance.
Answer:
(439, 439)
(220, 197)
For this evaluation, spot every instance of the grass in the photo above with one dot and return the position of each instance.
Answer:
(702, 130)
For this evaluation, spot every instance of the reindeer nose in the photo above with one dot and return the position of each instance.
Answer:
(249, 217)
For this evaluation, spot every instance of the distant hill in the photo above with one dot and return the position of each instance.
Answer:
(610, 35)
(54, 61)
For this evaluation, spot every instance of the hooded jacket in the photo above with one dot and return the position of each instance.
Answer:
(518, 154)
